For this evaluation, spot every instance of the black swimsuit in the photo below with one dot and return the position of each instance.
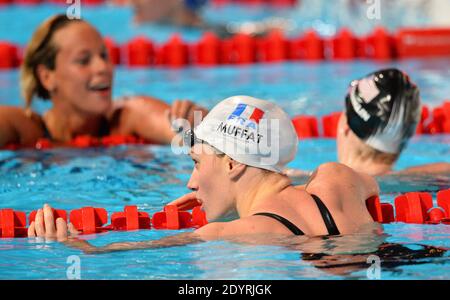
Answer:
(104, 130)
(326, 216)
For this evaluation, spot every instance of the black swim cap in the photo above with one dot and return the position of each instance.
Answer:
(383, 109)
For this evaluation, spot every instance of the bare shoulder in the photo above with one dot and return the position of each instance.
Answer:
(338, 179)
(140, 115)
(330, 170)
(18, 126)
(436, 168)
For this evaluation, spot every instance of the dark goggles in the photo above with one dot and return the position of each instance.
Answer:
(189, 138)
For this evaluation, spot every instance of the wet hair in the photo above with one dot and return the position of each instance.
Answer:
(40, 51)
(383, 110)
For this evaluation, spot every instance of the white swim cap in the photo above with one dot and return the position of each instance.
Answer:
(251, 131)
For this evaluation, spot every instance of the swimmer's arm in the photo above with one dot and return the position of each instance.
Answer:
(17, 127)
(436, 168)
(7, 132)
(151, 118)
(166, 242)
(211, 231)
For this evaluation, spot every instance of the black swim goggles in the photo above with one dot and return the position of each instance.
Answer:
(190, 139)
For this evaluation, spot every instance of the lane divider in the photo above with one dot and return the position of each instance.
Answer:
(91, 220)
(239, 49)
(282, 3)
(411, 208)
(438, 122)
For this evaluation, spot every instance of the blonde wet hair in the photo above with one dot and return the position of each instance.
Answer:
(41, 50)
(366, 152)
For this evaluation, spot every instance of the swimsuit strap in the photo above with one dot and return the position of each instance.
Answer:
(104, 129)
(295, 230)
(47, 134)
(326, 216)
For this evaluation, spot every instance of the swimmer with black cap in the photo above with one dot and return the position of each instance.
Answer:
(381, 114)
(382, 111)
(239, 150)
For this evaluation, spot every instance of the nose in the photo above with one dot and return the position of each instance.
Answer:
(102, 65)
(193, 183)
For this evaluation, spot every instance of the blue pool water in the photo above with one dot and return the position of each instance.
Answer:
(151, 176)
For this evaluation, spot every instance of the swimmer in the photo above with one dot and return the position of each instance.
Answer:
(235, 175)
(176, 12)
(187, 13)
(67, 62)
(381, 114)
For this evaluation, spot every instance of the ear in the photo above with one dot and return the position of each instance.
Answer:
(46, 77)
(343, 125)
(235, 169)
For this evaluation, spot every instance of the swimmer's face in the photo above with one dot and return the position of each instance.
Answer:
(210, 180)
(83, 74)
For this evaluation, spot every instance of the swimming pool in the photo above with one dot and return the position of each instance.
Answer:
(150, 176)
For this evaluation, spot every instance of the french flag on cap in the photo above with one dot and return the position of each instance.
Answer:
(247, 112)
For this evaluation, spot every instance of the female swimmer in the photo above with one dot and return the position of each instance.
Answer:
(239, 151)
(67, 62)
(381, 114)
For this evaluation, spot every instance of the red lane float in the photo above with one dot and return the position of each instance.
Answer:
(9, 55)
(310, 46)
(443, 200)
(387, 210)
(208, 50)
(274, 47)
(380, 212)
(90, 220)
(306, 126)
(280, 3)
(413, 208)
(174, 53)
(346, 46)
(330, 124)
(379, 45)
(27, 2)
(139, 52)
(64, 2)
(246, 49)
(413, 42)
(130, 219)
(172, 218)
(57, 213)
(12, 224)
